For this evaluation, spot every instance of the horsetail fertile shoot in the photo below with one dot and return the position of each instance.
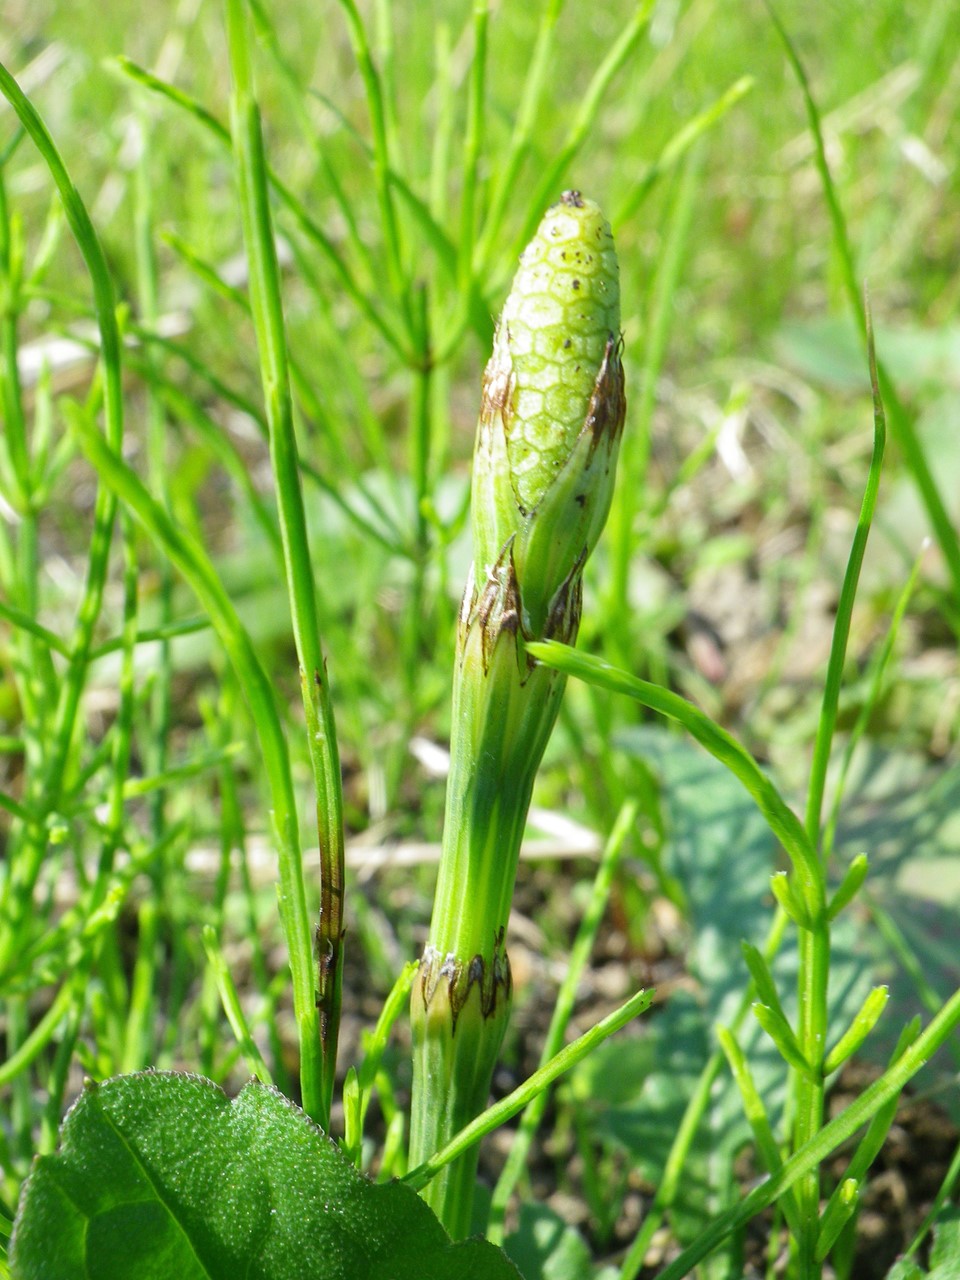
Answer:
(551, 418)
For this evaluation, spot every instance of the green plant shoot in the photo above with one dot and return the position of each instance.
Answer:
(551, 419)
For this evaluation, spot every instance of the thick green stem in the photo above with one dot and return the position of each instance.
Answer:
(459, 1014)
(549, 432)
(504, 712)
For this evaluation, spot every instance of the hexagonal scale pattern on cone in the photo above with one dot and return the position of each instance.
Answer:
(563, 307)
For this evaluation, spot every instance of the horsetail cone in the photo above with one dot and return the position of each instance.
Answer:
(553, 407)
(551, 418)
(549, 432)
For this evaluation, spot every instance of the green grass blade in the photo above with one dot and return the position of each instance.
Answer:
(21, 884)
(185, 409)
(863, 717)
(547, 189)
(942, 1197)
(679, 145)
(150, 635)
(390, 536)
(389, 224)
(519, 146)
(308, 226)
(233, 1008)
(901, 423)
(375, 1045)
(635, 449)
(421, 210)
(193, 563)
(671, 1180)
(174, 95)
(14, 449)
(756, 1114)
(23, 621)
(514, 1102)
(473, 141)
(827, 722)
(33, 1045)
(89, 245)
(17, 810)
(295, 101)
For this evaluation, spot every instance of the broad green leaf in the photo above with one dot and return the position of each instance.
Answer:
(545, 1247)
(904, 811)
(945, 1252)
(829, 351)
(161, 1175)
(906, 1270)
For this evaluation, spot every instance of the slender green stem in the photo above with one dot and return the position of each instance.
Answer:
(233, 1008)
(151, 635)
(17, 893)
(142, 1019)
(375, 1045)
(271, 340)
(678, 146)
(313, 405)
(901, 424)
(879, 668)
(622, 49)
(14, 449)
(296, 102)
(386, 57)
(381, 153)
(190, 559)
(295, 206)
(831, 1136)
(123, 726)
(560, 1019)
(519, 145)
(720, 744)
(522, 1096)
(812, 1033)
(473, 141)
(59, 1075)
(17, 810)
(814, 971)
(420, 450)
(442, 122)
(826, 724)
(23, 621)
(942, 1198)
(31, 1046)
(673, 1170)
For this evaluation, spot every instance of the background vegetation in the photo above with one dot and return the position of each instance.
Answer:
(749, 436)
